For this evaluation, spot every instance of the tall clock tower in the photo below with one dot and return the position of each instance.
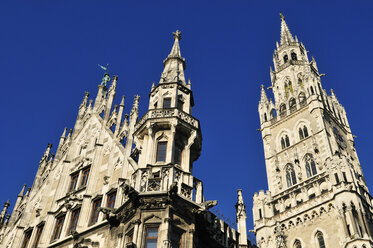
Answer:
(317, 193)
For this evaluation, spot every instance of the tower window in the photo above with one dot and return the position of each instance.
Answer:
(294, 56)
(111, 199)
(312, 92)
(26, 239)
(161, 151)
(85, 174)
(285, 142)
(74, 220)
(58, 227)
(310, 166)
(265, 116)
(38, 235)
(290, 176)
(320, 240)
(297, 244)
(74, 180)
(95, 211)
(292, 105)
(167, 103)
(303, 132)
(286, 59)
(151, 237)
(283, 109)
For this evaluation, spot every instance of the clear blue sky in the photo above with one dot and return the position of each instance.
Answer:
(49, 51)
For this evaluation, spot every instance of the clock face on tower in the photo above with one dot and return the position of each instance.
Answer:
(339, 138)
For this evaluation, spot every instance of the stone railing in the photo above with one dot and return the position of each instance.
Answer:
(290, 62)
(157, 179)
(167, 113)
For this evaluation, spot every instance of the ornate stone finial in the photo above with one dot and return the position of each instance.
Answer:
(282, 16)
(177, 35)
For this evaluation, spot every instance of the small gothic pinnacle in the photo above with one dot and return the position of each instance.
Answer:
(282, 16)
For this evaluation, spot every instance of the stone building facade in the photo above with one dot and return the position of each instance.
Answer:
(119, 181)
(317, 194)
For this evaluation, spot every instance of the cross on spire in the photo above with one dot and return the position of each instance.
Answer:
(177, 35)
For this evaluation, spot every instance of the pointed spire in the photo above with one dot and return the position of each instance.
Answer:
(174, 64)
(263, 95)
(241, 219)
(122, 102)
(63, 135)
(175, 51)
(313, 62)
(286, 36)
(135, 107)
(85, 100)
(22, 191)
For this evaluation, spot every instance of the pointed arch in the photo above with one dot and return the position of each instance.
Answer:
(310, 165)
(283, 109)
(291, 179)
(302, 98)
(297, 244)
(320, 239)
(292, 105)
(294, 56)
(286, 58)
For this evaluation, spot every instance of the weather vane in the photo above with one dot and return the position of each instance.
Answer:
(106, 77)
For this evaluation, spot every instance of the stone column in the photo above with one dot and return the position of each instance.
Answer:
(136, 231)
(350, 216)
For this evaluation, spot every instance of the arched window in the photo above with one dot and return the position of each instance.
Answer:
(265, 116)
(300, 134)
(290, 176)
(320, 239)
(286, 59)
(297, 244)
(302, 99)
(286, 87)
(310, 166)
(312, 92)
(273, 113)
(283, 109)
(292, 104)
(287, 141)
(291, 87)
(282, 143)
(293, 56)
(303, 132)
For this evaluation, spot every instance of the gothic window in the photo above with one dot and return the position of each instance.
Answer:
(38, 235)
(300, 134)
(85, 174)
(74, 220)
(26, 239)
(303, 132)
(161, 151)
(290, 176)
(297, 244)
(291, 87)
(302, 99)
(74, 181)
(286, 59)
(282, 109)
(312, 92)
(287, 141)
(58, 227)
(95, 211)
(111, 199)
(300, 81)
(292, 104)
(273, 113)
(265, 116)
(167, 103)
(294, 56)
(151, 237)
(320, 239)
(310, 166)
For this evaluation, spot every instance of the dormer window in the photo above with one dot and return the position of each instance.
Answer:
(167, 103)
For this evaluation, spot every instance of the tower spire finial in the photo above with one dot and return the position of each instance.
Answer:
(286, 36)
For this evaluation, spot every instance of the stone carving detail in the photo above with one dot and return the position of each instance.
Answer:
(186, 191)
(154, 184)
(144, 179)
(280, 237)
